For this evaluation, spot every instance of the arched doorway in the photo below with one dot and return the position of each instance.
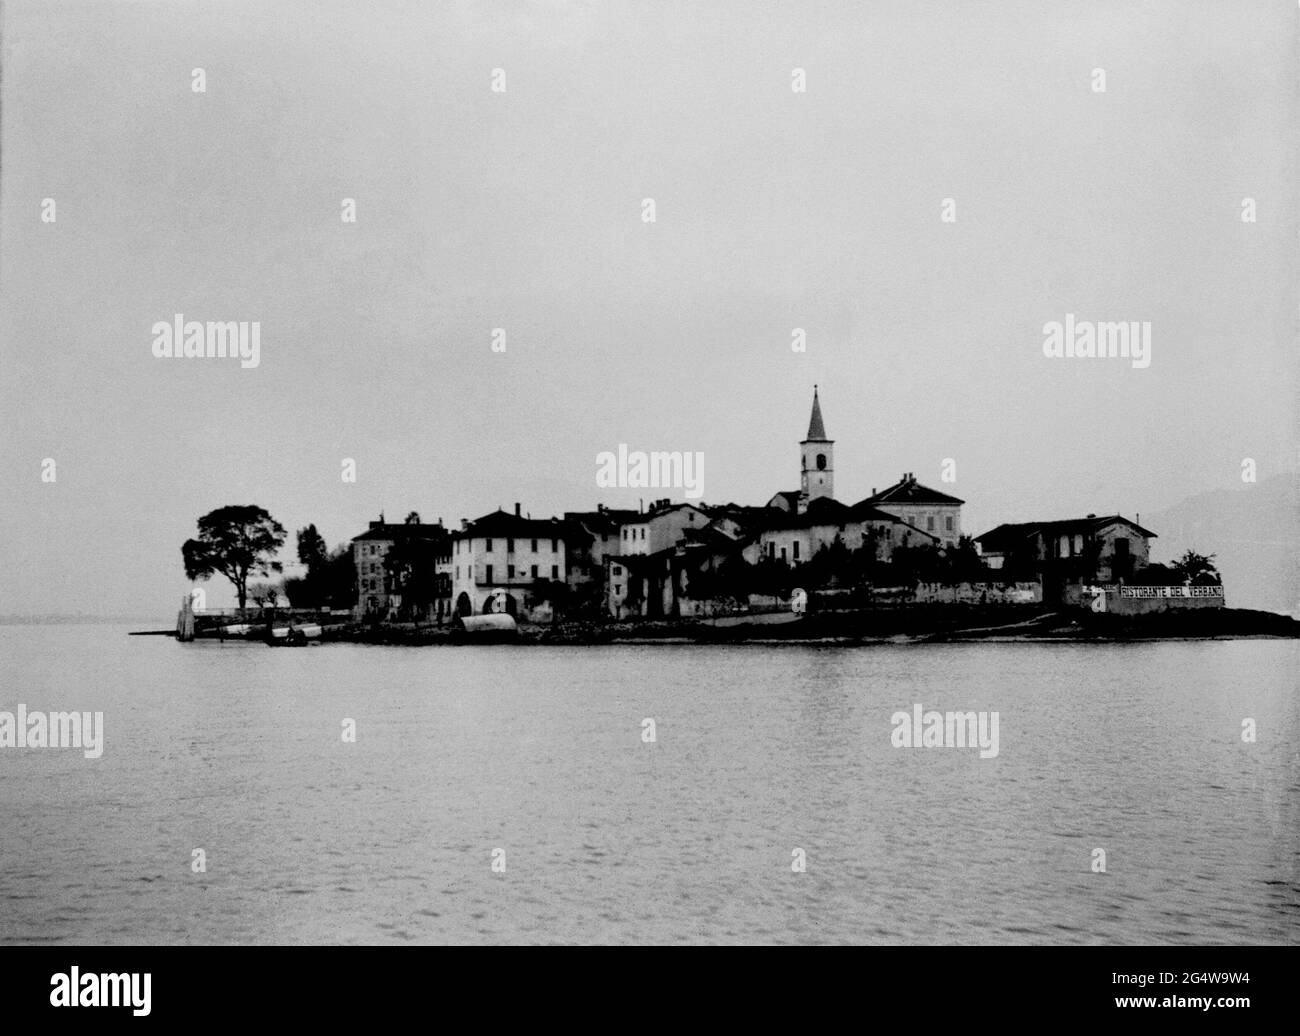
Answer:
(511, 606)
(464, 606)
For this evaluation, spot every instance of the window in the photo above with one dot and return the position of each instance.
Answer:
(534, 546)
(489, 573)
(929, 523)
(489, 546)
(771, 549)
(1078, 543)
(555, 546)
(1121, 548)
(690, 517)
(1063, 547)
(948, 522)
(618, 588)
(555, 571)
(821, 462)
(510, 571)
(643, 532)
(534, 568)
(796, 550)
(782, 553)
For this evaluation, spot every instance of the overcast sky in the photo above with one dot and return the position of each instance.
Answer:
(522, 210)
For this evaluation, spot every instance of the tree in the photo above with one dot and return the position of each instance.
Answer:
(964, 564)
(1197, 568)
(412, 571)
(913, 565)
(340, 579)
(298, 593)
(554, 590)
(1155, 574)
(829, 566)
(311, 590)
(264, 595)
(235, 542)
(772, 577)
(413, 518)
(312, 551)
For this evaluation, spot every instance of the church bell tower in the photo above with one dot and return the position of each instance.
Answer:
(817, 460)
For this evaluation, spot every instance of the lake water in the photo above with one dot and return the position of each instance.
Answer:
(758, 752)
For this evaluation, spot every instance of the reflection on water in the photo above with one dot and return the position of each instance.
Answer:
(758, 752)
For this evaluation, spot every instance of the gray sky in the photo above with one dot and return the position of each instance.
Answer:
(522, 210)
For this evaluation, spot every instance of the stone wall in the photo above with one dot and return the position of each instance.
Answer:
(1142, 600)
(979, 593)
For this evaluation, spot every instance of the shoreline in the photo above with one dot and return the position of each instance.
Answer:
(922, 625)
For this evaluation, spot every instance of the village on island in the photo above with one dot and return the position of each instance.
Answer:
(801, 555)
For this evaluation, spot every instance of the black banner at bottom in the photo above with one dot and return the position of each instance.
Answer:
(149, 985)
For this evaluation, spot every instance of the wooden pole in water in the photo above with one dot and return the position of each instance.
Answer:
(185, 620)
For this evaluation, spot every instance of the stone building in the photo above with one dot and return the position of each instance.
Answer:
(1107, 549)
(921, 507)
(378, 594)
(527, 558)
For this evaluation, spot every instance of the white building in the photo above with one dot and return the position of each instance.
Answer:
(661, 527)
(926, 509)
(525, 557)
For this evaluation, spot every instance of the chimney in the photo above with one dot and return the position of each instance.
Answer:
(464, 525)
(1092, 516)
(873, 490)
(516, 508)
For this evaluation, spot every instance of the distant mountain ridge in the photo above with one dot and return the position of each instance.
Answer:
(1254, 532)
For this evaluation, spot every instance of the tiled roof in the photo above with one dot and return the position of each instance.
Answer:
(824, 510)
(908, 491)
(1008, 535)
(503, 523)
(403, 531)
(863, 511)
(707, 536)
(655, 512)
(606, 519)
(747, 515)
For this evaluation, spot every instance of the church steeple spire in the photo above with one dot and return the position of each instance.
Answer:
(816, 429)
(817, 460)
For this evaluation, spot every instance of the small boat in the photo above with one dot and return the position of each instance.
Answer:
(482, 629)
(294, 636)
